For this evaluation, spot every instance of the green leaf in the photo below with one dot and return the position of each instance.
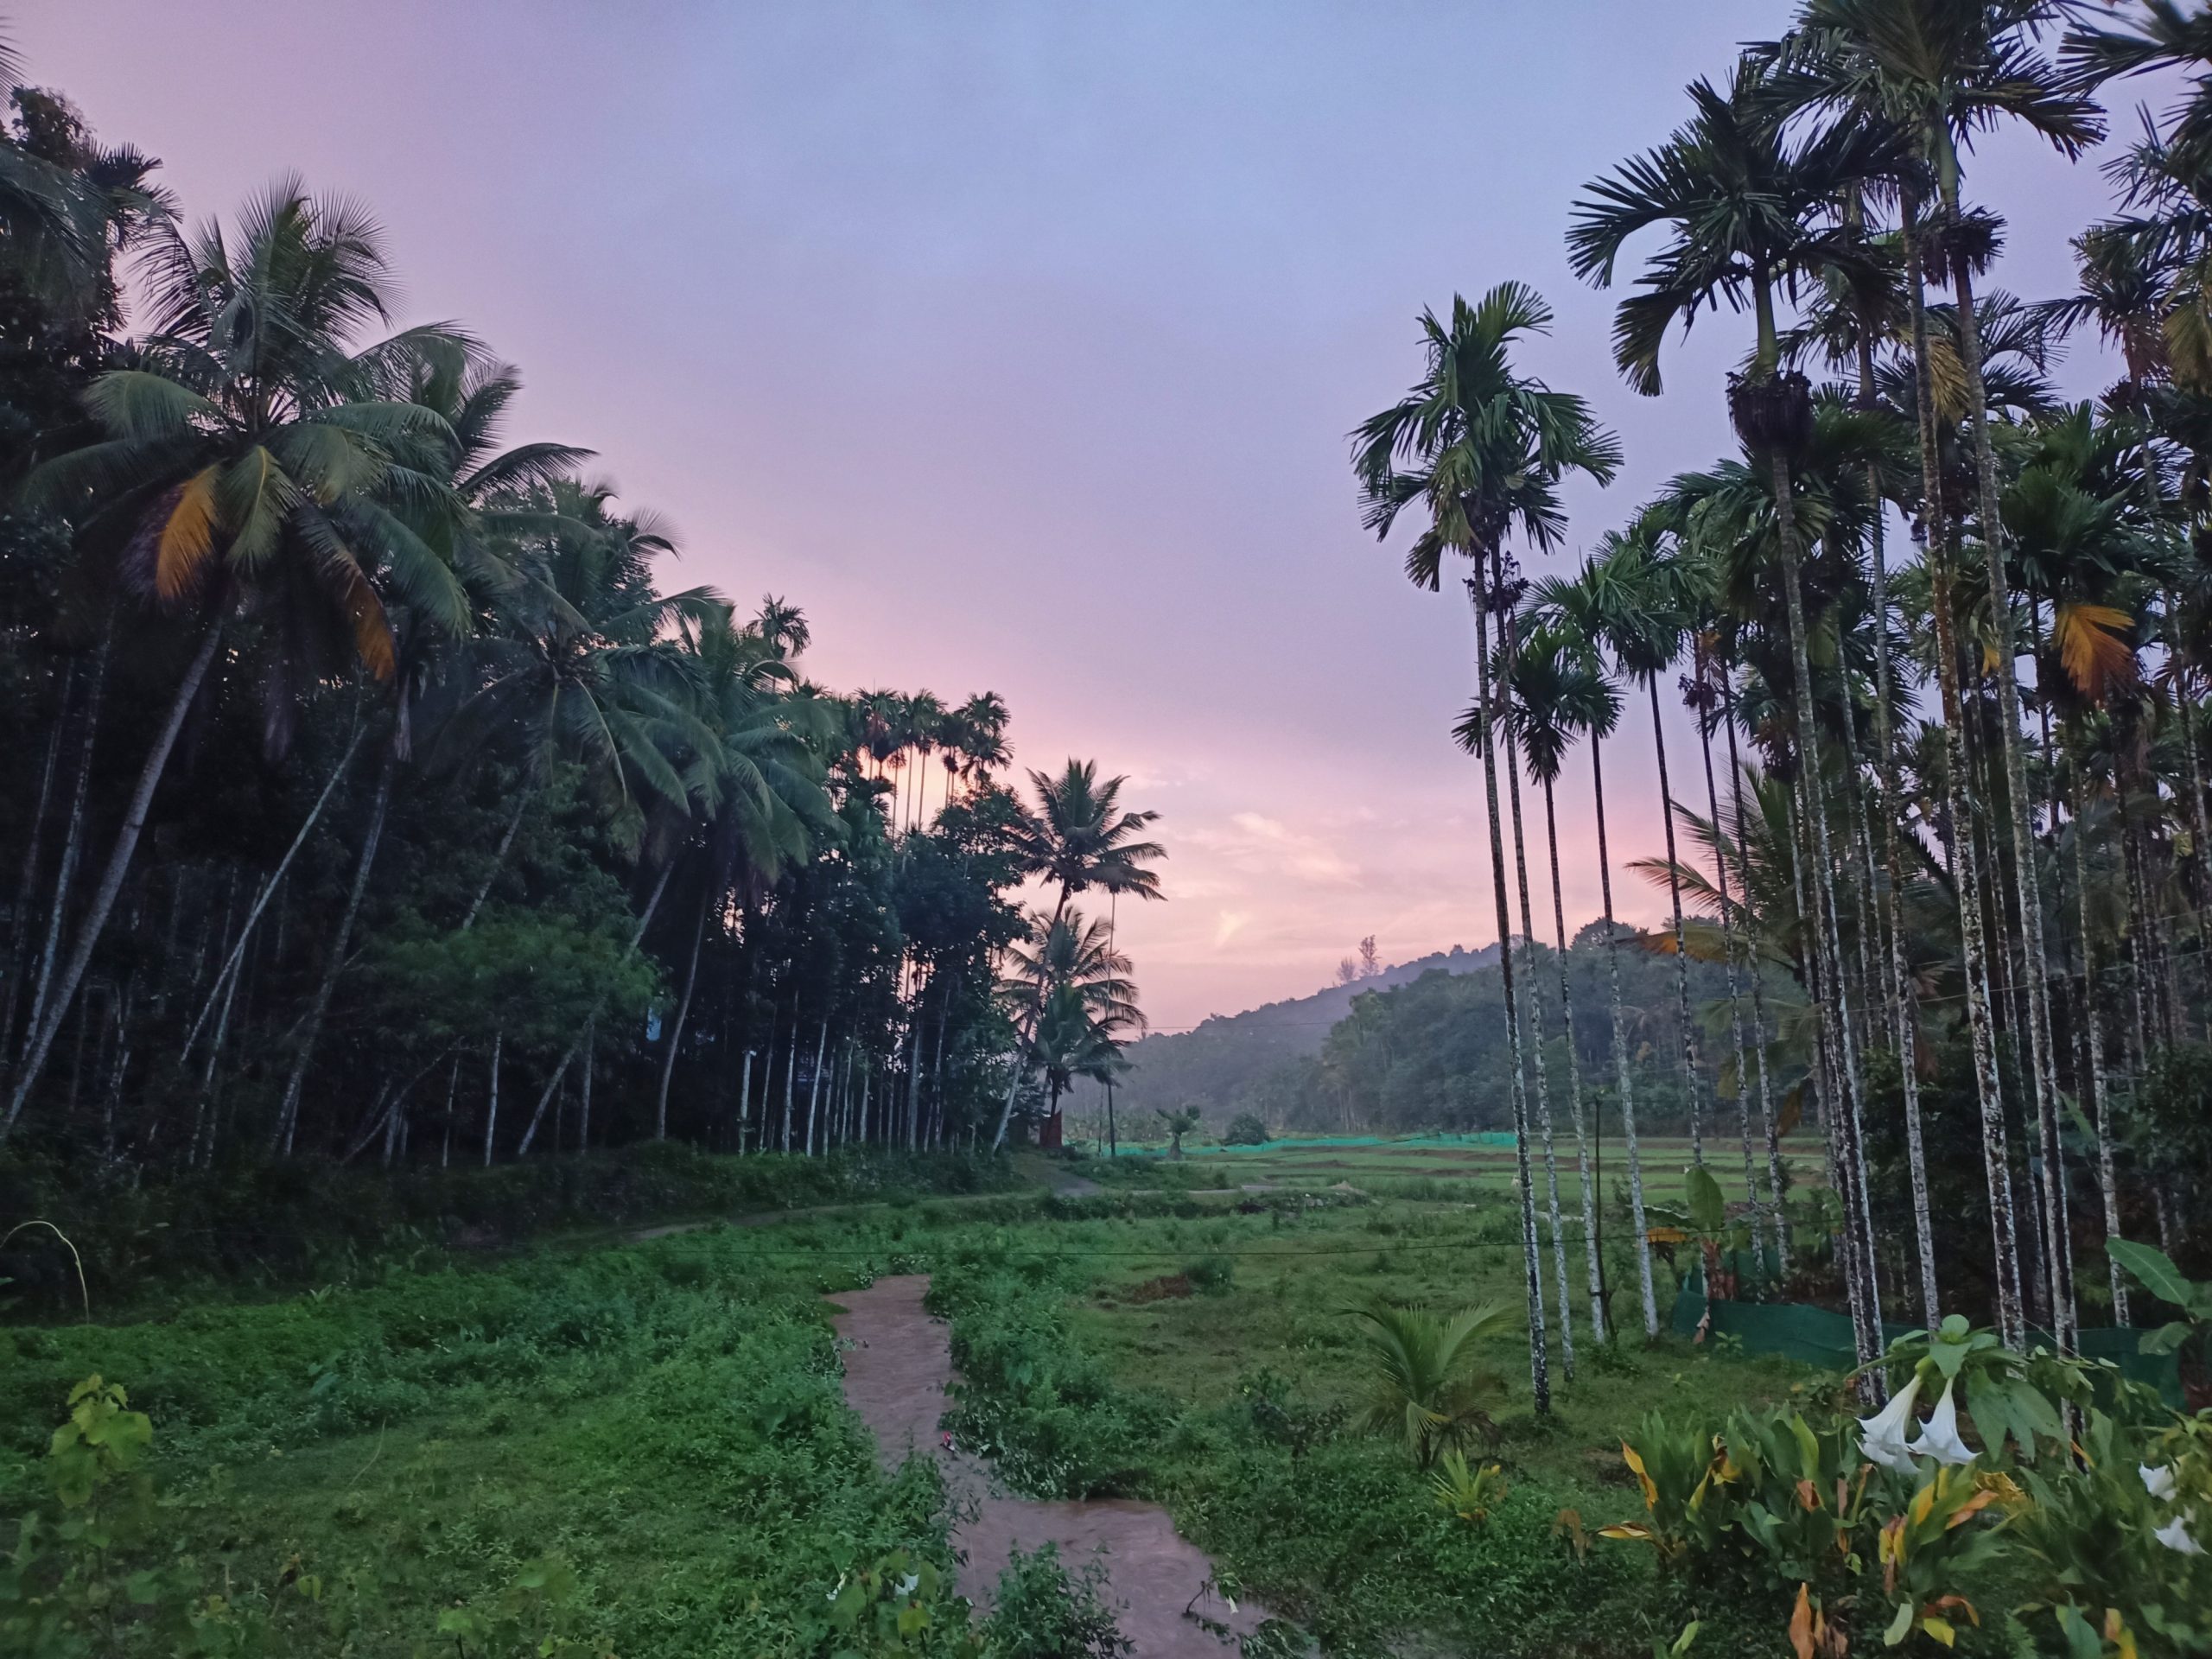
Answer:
(2156, 1270)
(1900, 1625)
(2166, 1339)
(1708, 1205)
(144, 1589)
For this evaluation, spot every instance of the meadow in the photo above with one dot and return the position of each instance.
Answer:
(639, 1445)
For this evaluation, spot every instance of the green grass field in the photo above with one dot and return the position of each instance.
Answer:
(665, 1417)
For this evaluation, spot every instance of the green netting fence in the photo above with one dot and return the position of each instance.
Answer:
(1821, 1337)
(1330, 1142)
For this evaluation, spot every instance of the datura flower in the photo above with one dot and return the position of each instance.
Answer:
(2159, 1481)
(2175, 1537)
(1881, 1438)
(1940, 1438)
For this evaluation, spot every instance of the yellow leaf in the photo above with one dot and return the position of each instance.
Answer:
(1631, 1531)
(372, 633)
(1941, 1629)
(1800, 1624)
(2092, 649)
(188, 536)
(1643, 1478)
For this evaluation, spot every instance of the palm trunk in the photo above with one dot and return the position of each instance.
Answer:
(914, 1082)
(1759, 1219)
(1574, 1086)
(1536, 1042)
(73, 838)
(2093, 1036)
(1835, 1005)
(1623, 1080)
(1964, 876)
(682, 1013)
(583, 1089)
(33, 850)
(2058, 1248)
(1775, 1185)
(492, 1105)
(567, 1060)
(288, 1115)
(791, 1069)
(1681, 953)
(745, 1100)
(49, 1027)
(498, 859)
(1532, 1258)
(814, 1086)
(236, 959)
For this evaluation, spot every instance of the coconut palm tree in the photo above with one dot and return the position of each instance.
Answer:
(1751, 213)
(1424, 1383)
(1481, 449)
(247, 468)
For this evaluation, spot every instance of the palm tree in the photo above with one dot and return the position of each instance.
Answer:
(1556, 690)
(1424, 1383)
(1750, 215)
(1067, 960)
(246, 468)
(1582, 609)
(1482, 448)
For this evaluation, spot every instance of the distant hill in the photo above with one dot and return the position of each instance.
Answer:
(1217, 1065)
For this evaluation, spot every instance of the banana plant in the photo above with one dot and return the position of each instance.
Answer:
(2156, 1272)
(1703, 1221)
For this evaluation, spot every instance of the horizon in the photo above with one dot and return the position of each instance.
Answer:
(1117, 286)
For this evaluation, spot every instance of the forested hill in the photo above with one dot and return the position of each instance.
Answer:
(1217, 1065)
(1427, 1050)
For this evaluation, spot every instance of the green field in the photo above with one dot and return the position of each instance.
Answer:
(665, 1417)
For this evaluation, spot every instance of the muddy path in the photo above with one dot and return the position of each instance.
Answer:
(897, 1368)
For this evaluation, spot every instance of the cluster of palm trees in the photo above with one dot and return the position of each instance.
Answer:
(363, 767)
(1959, 904)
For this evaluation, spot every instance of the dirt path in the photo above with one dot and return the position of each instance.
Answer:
(896, 1372)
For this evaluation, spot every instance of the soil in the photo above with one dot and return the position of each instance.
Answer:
(897, 1366)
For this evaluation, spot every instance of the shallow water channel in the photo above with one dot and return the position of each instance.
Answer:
(898, 1363)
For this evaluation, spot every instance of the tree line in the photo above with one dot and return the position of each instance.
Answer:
(368, 797)
(1987, 881)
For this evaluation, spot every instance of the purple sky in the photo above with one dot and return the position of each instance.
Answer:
(1018, 343)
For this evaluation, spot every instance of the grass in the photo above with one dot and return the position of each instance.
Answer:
(666, 1416)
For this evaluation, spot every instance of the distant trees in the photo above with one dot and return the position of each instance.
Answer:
(370, 791)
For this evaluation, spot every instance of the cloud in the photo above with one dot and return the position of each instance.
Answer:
(1228, 925)
(1268, 847)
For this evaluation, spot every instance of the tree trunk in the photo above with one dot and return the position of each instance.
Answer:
(1574, 1091)
(814, 1085)
(491, 1107)
(499, 860)
(280, 1141)
(791, 1071)
(1543, 1112)
(232, 963)
(1759, 1218)
(33, 848)
(561, 1070)
(583, 1090)
(1532, 1259)
(1681, 954)
(2011, 1322)
(2058, 1248)
(72, 838)
(1775, 1184)
(745, 1100)
(2100, 1097)
(1642, 1243)
(682, 1013)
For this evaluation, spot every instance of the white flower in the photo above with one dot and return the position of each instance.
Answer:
(2159, 1482)
(1882, 1436)
(906, 1585)
(1939, 1439)
(2175, 1535)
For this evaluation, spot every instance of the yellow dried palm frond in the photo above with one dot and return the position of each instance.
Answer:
(372, 630)
(2092, 647)
(1947, 376)
(188, 536)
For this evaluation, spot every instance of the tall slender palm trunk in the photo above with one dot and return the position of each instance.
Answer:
(1958, 799)
(814, 1088)
(1689, 1026)
(1573, 1092)
(288, 1115)
(1623, 1080)
(1531, 1254)
(46, 1028)
(1771, 1128)
(2093, 1038)
(1760, 1218)
(682, 1013)
(2058, 1250)
(1536, 1043)
(492, 1104)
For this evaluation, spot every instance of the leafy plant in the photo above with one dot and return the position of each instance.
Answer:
(1246, 1129)
(1177, 1124)
(1423, 1381)
(1044, 1611)
(1702, 1221)
(1471, 1493)
(2157, 1274)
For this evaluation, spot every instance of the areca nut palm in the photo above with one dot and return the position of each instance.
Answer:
(1481, 448)
(1749, 214)
(248, 462)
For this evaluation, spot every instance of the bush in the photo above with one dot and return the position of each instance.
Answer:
(1044, 1611)
(1212, 1275)
(1246, 1129)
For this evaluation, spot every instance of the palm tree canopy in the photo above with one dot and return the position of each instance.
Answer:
(1079, 837)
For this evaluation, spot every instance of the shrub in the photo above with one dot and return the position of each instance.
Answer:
(1212, 1275)
(1246, 1129)
(1044, 1611)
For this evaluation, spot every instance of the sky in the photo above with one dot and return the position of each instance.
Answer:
(1018, 343)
